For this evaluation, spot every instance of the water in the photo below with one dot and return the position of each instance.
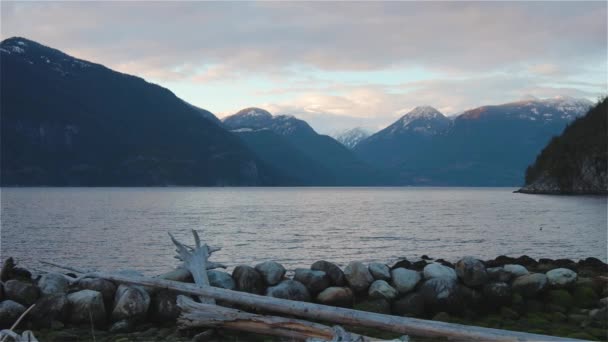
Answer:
(118, 228)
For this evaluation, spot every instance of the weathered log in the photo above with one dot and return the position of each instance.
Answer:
(198, 315)
(195, 260)
(318, 312)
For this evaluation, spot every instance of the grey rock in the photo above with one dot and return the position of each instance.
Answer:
(379, 271)
(441, 294)
(530, 285)
(515, 270)
(357, 276)
(178, 274)
(498, 274)
(221, 279)
(130, 302)
(381, 289)
(561, 278)
(289, 289)
(247, 279)
(410, 305)
(335, 274)
(405, 280)
(471, 271)
(53, 283)
(435, 270)
(381, 306)
(86, 305)
(163, 306)
(600, 315)
(105, 287)
(49, 308)
(497, 293)
(604, 301)
(1, 291)
(121, 326)
(272, 272)
(10, 312)
(336, 296)
(315, 281)
(21, 292)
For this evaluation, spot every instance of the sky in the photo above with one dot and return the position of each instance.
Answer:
(336, 65)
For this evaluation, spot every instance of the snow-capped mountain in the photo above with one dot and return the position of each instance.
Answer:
(424, 120)
(257, 118)
(489, 145)
(329, 162)
(556, 109)
(351, 137)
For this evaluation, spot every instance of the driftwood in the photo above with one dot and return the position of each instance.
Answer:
(208, 315)
(197, 315)
(318, 312)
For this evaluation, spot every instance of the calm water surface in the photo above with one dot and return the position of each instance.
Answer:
(117, 228)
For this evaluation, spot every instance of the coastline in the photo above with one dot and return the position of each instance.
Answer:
(554, 297)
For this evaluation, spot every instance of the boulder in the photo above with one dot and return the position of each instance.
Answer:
(435, 270)
(405, 280)
(381, 306)
(530, 285)
(604, 302)
(221, 279)
(441, 294)
(49, 308)
(357, 276)
(600, 315)
(515, 270)
(561, 278)
(53, 283)
(247, 279)
(315, 281)
(122, 326)
(498, 274)
(10, 271)
(410, 305)
(86, 306)
(380, 289)
(1, 291)
(336, 296)
(585, 297)
(105, 287)
(335, 274)
(471, 271)
(21, 292)
(560, 297)
(497, 293)
(272, 272)
(379, 271)
(163, 306)
(10, 312)
(289, 289)
(130, 302)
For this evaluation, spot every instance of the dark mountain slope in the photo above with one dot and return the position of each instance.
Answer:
(66, 121)
(331, 162)
(486, 146)
(576, 162)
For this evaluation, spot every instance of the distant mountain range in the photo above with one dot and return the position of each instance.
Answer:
(70, 122)
(67, 121)
(291, 146)
(485, 146)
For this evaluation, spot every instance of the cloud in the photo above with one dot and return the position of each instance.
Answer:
(300, 57)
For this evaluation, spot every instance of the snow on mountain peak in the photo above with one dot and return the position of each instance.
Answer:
(351, 137)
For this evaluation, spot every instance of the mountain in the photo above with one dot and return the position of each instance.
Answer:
(351, 137)
(66, 121)
(485, 146)
(576, 162)
(280, 139)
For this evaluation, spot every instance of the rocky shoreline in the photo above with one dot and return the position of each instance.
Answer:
(553, 297)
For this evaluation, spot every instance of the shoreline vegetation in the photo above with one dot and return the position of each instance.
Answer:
(558, 297)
